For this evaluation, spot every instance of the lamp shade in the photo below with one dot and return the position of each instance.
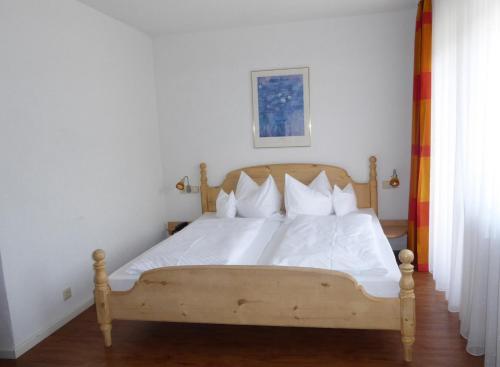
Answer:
(180, 185)
(394, 182)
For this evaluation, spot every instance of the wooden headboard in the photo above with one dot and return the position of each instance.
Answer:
(366, 193)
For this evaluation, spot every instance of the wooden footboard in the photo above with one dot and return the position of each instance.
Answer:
(257, 295)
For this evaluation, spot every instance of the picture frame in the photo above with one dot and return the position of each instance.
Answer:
(280, 106)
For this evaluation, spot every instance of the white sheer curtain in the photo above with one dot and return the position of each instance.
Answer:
(465, 167)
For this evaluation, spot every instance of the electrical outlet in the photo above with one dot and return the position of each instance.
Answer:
(67, 294)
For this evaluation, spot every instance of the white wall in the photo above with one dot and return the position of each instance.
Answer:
(361, 97)
(79, 155)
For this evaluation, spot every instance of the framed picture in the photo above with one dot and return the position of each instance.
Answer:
(281, 108)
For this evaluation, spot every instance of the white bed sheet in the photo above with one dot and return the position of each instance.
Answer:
(124, 278)
(342, 243)
(261, 250)
(380, 285)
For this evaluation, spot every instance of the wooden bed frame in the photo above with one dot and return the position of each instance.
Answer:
(262, 295)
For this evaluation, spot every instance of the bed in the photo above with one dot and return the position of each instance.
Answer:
(254, 288)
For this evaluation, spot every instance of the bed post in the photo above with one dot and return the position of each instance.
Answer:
(101, 296)
(407, 299)
(203, 187)
(373, 184)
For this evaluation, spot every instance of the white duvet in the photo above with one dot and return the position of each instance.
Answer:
(308, 242)
(346, 244)
(215, 241)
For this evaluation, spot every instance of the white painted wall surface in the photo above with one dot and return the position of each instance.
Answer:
(79, 155)
(361, 98)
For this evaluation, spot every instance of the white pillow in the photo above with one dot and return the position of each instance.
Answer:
(225, 205)
(321, 184)
(344, 201)
(315, 199)
(254, 201)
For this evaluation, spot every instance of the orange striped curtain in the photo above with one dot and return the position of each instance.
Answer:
(418, 212)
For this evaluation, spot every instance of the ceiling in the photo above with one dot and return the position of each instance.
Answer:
(176, 16)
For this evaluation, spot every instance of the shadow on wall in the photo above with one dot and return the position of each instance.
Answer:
(6, 338)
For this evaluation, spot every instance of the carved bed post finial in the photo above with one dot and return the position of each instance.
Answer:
(203, 187)
(101, 295)
(373, 184)
(407, 299)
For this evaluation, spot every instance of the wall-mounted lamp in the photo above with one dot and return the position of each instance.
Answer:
(394, 181)
(183, 185)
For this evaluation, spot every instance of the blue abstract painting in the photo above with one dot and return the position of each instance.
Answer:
(281, 105)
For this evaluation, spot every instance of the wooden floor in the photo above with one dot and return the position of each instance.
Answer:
(79, 343)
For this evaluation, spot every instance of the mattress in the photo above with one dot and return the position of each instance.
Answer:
(260, 249)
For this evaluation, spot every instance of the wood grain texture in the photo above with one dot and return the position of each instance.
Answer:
(155, 344)
(407, 297)
(101, 296)
(366, 193)
(255, 295)
(372, 184)
(204, 189)
(394, 228)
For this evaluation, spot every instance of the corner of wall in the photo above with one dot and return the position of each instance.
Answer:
(40, 335)
(6, 334)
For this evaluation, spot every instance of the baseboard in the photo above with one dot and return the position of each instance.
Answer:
(37, 337)
(7, 354)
